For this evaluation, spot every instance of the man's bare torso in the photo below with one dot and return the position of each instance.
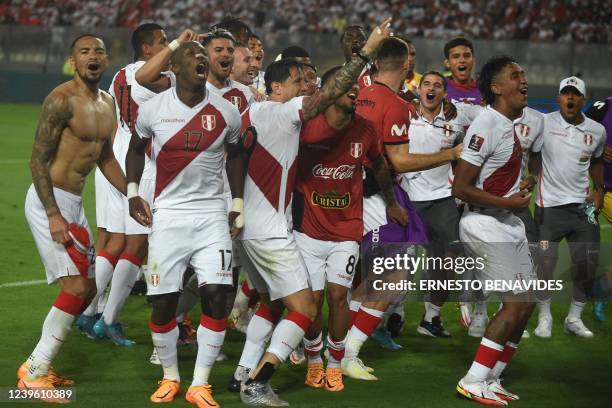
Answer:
(90, 123)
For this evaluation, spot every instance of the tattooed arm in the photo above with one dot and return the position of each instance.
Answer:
(56, 112)
(385, 182)
(346, 77)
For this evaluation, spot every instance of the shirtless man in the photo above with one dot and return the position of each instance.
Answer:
(73, 135)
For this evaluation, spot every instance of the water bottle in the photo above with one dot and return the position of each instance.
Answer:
(589, 211)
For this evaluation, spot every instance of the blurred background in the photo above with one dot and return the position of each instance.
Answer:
(551, 39)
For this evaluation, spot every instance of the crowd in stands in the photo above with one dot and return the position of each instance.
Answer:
(535, 20)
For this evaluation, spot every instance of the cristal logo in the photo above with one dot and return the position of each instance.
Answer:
(342, 172)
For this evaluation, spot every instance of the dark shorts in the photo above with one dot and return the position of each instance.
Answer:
(442, 222)
(569, 222)
(531, 228)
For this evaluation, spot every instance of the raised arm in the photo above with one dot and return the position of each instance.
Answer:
(344, 79)
(56, 112)
(149, 75)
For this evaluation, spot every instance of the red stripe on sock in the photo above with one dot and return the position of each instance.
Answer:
(265, 312)
(164, 328)
(507, 353)
(245, 288)
(302, 321)
(352, 315)
(69, 303)
(217, 325)
(109, 257)
(366, 322)
(131, 258)
(336, 354)
(487, 356)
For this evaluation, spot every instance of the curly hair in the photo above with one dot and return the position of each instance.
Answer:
(489, 72)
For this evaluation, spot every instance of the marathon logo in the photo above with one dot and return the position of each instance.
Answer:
(331, 200)
(476, 143)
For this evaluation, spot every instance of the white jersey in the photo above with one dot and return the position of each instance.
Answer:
(566, 156)
(529, 130)
(431, 137)
(129, 95)
(492, 144)
(238, 94)
(188, 148)
(268, 187)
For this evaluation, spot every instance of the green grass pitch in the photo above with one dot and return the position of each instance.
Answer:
(558, 372)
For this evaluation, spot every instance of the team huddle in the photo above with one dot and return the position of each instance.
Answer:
(209, 168)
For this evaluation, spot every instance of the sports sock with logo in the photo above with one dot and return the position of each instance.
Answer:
(164, 340)
(55, 330)
(258, 333)
(288, 334)
(211, 334)
(575, 310)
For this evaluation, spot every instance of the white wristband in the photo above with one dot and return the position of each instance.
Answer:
(132, 190)
(174, 45)
(237, 205)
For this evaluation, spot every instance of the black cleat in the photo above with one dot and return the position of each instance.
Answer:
(233, 385)
(433, 329)
(394, 325)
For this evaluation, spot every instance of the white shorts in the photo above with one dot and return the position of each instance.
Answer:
(374, 213)
(275, 266)
(109, 205)
(101, 186)
(329, 261)
(181, 240)
(54, 257)
(146, 189)
(500, 240)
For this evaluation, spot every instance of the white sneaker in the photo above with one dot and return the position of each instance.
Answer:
(544, 328)
(576, 327)
(154, 359)
(496, 387)
(353, 367)
(478, 325)
(480, 393)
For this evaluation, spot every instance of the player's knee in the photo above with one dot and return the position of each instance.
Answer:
(336, 296)
(164, 308)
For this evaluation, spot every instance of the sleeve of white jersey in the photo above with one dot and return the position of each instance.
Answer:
(234, 122)
(469, 110)
(478, 144)
(143, 123)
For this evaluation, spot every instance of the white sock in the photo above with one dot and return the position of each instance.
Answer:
(102, 301)
(288, 334)
(336, 352)
(575, 310)
(258, 333)
(356, 337)
(432, 311)
(544, 306)
(480, 307)
(104, 273)
(313, 348)
(500, 365)
(124, 277)
(354, 305)
(165, 346)
(211, 334)
(487, 355)
(55, 330)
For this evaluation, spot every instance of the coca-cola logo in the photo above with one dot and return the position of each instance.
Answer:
(341, 172)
